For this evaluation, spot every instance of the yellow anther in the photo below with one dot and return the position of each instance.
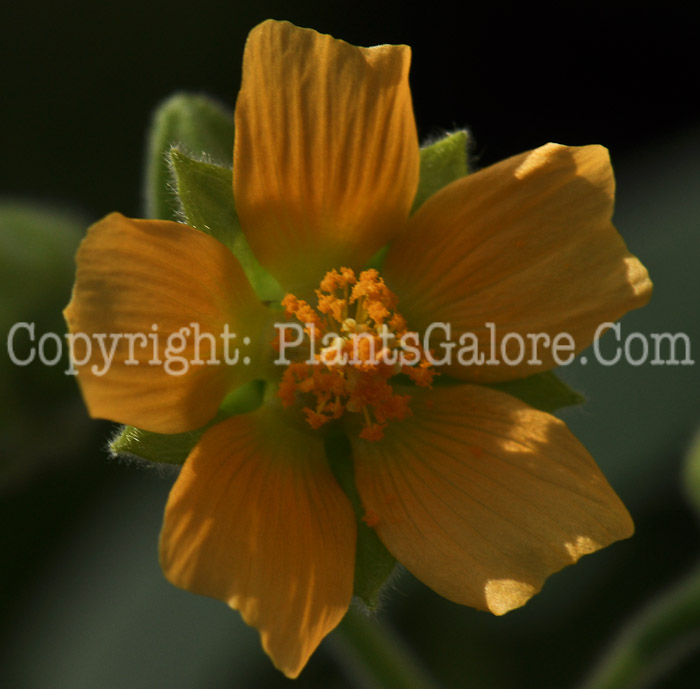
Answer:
(351, 374)
(333, 355)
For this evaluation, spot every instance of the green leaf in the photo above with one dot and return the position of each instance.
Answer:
(192, 123)
(37, 267)
(441, 162)
(37, 249)
(544, 391)
(374, 564)
(691, 473)
(656, 640)
(206, 194)
(666, 631)
(160, 448)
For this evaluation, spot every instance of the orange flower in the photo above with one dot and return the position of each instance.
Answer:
(479, 495)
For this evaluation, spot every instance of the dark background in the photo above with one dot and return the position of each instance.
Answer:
(85, 605)
(80, 81)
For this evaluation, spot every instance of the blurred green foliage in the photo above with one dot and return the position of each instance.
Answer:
(37, 246)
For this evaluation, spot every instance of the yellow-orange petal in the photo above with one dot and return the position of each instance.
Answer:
(526, 244)
(133, 275)
(482, 497)
(257, 520)
(326, 157)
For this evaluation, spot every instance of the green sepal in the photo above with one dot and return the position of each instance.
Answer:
(544, 391)
(206, 197)
(159, 448)
(374, 564)
(196, 124)
(205, 191)
(441, 163)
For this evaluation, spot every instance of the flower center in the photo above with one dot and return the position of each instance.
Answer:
(364, 342)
